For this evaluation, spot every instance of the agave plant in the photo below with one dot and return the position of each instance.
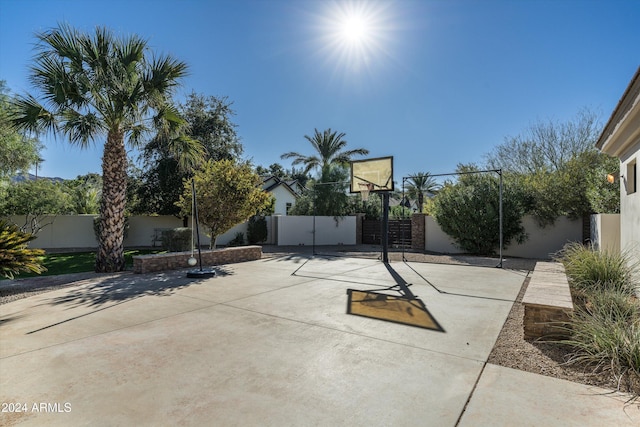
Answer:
(15, 256)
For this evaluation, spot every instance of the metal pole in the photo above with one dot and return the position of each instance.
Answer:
(313, 233)
(404, 237)
(195, 214)
(385, 227)
(500, 173)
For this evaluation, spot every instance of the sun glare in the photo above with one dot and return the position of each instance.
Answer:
(354, 29)
(353, 35)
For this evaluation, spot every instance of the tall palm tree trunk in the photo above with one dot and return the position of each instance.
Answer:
(110, 256)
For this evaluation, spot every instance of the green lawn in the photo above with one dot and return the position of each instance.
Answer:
(78, 262)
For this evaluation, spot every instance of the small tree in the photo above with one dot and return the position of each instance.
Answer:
(35, 200)
(546, 145)
(14, 254)
(17, 152)
(85, 192)
(228, 194)
(468, 211)
(560, 169)
(209, 121)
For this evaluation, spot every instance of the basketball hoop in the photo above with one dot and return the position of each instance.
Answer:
(365, 188)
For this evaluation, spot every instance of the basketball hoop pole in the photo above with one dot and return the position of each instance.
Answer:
(385, 227)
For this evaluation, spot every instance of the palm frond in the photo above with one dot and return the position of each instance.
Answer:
(29, 115)
(189, 152)
(163, 75)
(81, 128)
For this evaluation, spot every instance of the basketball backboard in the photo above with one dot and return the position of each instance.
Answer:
(377, 173)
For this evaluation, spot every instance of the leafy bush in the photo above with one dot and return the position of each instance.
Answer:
(468, 211)
(177, 239)
(238, 240)
(589, 269)
(14, 254)
(257, 229)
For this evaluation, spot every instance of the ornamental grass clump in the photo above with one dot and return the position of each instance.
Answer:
(605, 326)
(590, 269)
(606, 337)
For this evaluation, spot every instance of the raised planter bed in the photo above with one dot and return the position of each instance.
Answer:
(547, 302)
(177, 260)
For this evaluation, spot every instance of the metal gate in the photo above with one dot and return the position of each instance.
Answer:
(399, 232)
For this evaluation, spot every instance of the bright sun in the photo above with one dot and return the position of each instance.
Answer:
(354, 29)
(353, 34)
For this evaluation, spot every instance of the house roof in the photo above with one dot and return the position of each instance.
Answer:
(629, 103)
(277, 182)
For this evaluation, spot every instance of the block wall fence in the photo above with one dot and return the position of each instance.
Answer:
(76, 232)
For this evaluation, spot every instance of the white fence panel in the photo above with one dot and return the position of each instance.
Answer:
(298, 230)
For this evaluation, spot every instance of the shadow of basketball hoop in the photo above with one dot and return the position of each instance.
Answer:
(404, 308)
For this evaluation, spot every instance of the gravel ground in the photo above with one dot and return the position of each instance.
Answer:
(511, 349)
(12, 290)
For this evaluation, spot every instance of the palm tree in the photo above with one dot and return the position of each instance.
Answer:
(329, 147)
(421, 184)
(100, 85)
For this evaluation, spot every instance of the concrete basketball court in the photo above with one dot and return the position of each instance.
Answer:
(269, 342)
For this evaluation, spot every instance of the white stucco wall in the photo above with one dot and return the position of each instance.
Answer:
(437, 240)
(630, 203)
(63, 231)
(76, 231)
(542, 242)
(142, 229)
(605, 232)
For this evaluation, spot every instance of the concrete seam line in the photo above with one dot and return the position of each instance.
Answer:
(473, 390)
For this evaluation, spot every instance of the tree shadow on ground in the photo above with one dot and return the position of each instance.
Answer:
(126, 287)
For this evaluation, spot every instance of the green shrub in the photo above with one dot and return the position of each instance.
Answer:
(468, 211)
(257, 229)
(177, 239)
(590, 269)
(238, 240)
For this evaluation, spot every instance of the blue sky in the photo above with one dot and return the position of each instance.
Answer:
(433, 83)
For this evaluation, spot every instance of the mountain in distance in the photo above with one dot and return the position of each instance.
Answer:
(31, 177)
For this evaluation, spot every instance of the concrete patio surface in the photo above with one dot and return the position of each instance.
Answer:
(269, 343)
